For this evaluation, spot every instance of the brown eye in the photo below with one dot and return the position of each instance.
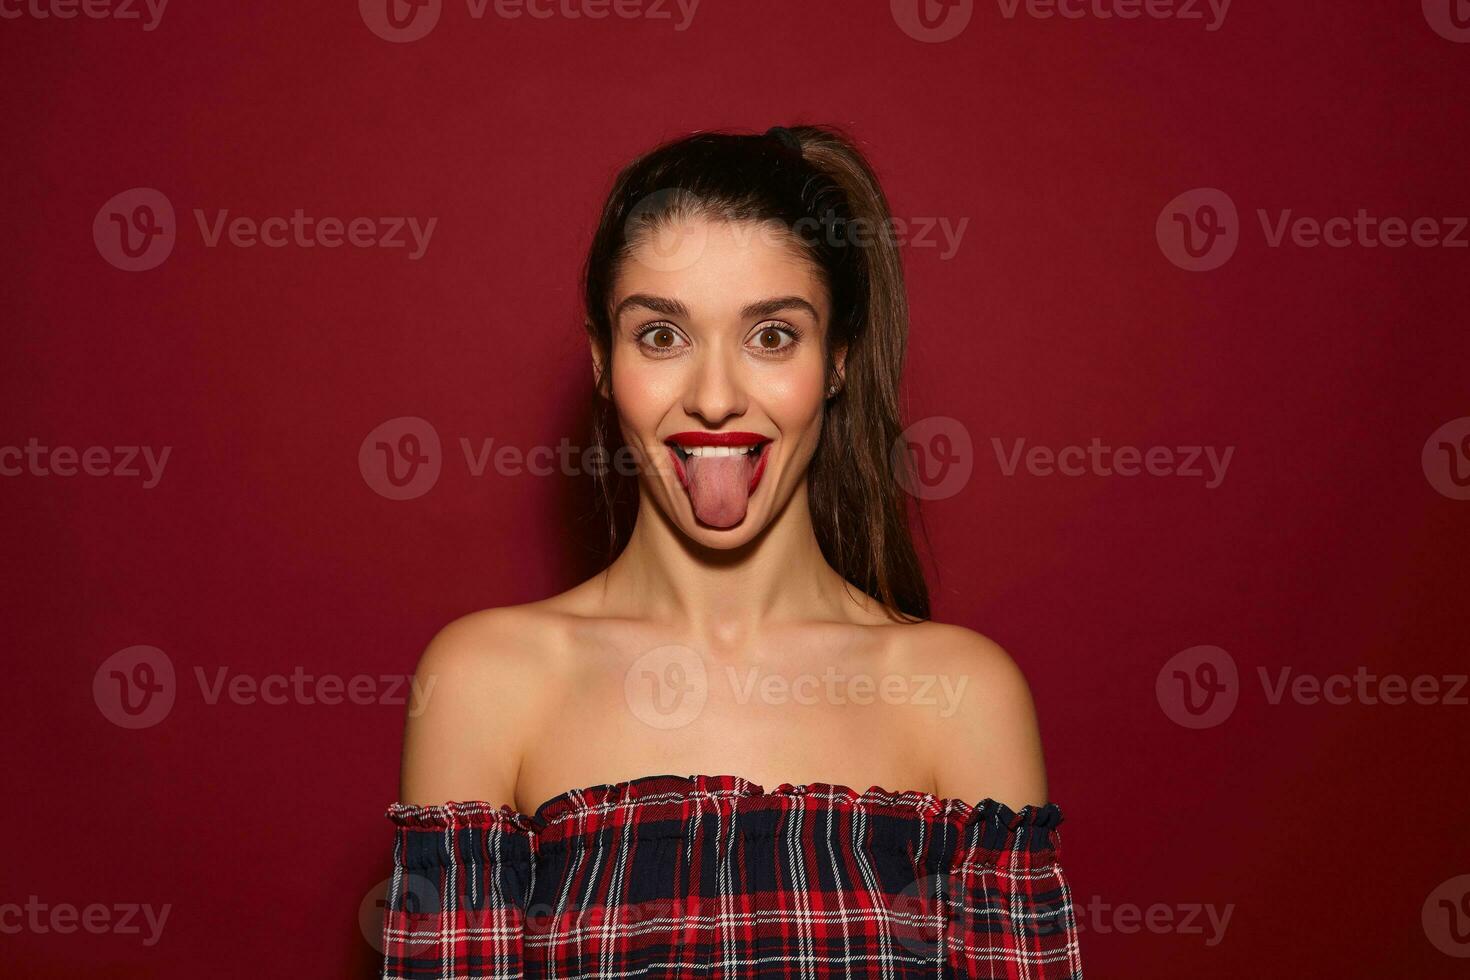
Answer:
(660, 338)
(775, 338)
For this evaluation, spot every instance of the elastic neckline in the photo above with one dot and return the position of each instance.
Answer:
(670, 788)
(459, 813)
(675, 788)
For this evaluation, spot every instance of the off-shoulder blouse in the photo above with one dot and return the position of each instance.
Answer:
(713, 877)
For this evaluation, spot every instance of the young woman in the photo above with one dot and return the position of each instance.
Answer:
(765, 625)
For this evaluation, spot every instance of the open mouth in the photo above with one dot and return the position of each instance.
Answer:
(720, 471)
(683, 453)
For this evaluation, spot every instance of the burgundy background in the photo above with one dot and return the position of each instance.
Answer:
(264, 549)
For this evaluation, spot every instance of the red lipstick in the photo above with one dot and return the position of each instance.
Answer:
(699, 437)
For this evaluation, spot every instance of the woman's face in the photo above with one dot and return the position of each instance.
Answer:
(718, 374)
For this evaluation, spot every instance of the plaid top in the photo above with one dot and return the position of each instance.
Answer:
(713, 877)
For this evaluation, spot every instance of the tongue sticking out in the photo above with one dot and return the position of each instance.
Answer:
(719, 486)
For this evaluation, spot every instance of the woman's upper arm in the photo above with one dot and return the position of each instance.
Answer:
(989, 744)
(462, 737)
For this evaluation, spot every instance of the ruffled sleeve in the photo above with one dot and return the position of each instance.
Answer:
(1006, 907)
(456, 902)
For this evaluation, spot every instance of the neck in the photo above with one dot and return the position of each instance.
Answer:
(722, 595)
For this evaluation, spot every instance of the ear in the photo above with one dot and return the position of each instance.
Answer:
(602, 383)
(839, 367)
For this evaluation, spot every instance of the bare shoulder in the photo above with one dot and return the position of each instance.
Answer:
(982, 733)
(996, 678)
(483, 677)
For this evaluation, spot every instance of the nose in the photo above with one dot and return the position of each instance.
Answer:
(715, 392)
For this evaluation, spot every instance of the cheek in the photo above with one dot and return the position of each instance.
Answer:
(642, 394)
(795, 408)
(792, 393)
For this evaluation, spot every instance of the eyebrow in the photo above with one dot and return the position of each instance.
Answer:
(664, 306)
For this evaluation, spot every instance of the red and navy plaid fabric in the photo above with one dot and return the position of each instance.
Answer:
(713, 877)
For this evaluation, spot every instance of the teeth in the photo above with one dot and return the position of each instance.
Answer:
(704, 451)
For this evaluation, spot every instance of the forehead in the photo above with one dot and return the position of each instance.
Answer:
(716, 267)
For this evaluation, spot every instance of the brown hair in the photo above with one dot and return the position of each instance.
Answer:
(858, 505)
